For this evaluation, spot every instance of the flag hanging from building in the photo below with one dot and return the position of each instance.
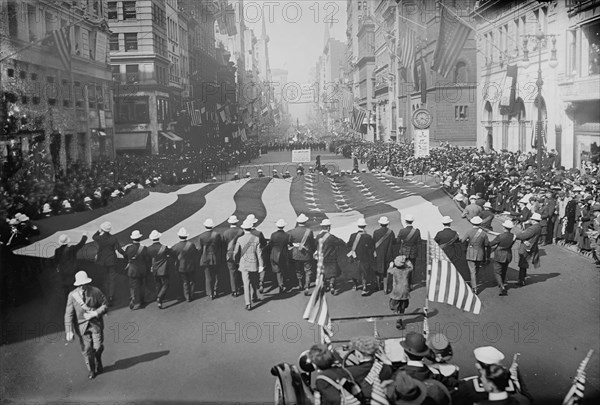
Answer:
(509, 91)
(407, 53)
(452, 38)
(317, 310)
(423, 81)
(221, 113)
(243, 134)
(577, 390)
(229, 16)
(446, 285)
(62, 43)
(194, 113)
(358, 117)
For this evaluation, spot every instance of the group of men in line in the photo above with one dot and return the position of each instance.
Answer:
(419, 372)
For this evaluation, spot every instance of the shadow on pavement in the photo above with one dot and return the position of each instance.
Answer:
(134, 361)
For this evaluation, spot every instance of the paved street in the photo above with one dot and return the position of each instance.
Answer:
(216, 351)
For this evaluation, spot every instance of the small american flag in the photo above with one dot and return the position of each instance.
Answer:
(446, 285)
(317, 310)
(577, 390)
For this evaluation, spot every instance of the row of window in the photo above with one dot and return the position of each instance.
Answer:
(130, 41)
(133, 75)
(128, 10)
(62, 94)
(507, 40)
(159, 15)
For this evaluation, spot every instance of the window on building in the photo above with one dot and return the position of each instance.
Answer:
(359, 6)
(91, 88)
(132, 73)
(592, 35)
(460, 113)
(460, 73)
(100, 97)
(132, 110)
(50, 22)
(32, 23)
(78, 91)
(13, 19)
(129, 10)
(112, 10)
(10, 72)
(116, 72)
(34, 76)
(131, 41)
(22, 75)
(66, 93)
(113, 42)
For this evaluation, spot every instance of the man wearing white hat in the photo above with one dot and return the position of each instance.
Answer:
(528, 250)
(275, 174)
(362, 255)
(384, 239)
(409, 239)
(249, 257)
(487, 216)
(46, 211)
(230, 236)
(263, 248)
(327, 253)
(106, 257)
(478, 247)
(65, 259)
(473, 209)
(138, 266)
(471, 390)
(210, 248)
(186, 260)
(502, 248)
(449, 240)
(86, 305)
(162, 260)
(279, 245)
(303, 250)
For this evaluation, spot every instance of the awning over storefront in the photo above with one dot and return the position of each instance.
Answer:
(171, 136)
(132, 140)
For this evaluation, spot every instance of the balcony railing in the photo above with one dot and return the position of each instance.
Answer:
(135, 78)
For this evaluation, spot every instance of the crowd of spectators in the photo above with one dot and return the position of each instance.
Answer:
(567, 200)
(34, 188)
(415, 371)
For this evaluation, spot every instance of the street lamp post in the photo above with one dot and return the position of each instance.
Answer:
(540, 39)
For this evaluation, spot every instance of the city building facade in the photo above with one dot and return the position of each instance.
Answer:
(62, 101)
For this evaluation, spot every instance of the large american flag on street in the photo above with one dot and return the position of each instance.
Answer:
(446, 285)
(194, 113)
(453, 35)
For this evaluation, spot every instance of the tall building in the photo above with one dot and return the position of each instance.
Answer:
(144, 59)
(279, 78)
(365, 66)
(61, 101)
(385, 65)
(451, 99)
(570, 66)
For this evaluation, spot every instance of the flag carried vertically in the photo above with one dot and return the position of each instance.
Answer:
(317, 310)
(62, 43)
(445, 284)
(577, 390)
(453, 35)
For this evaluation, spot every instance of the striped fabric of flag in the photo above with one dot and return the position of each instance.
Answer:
(195, 116)
(446, 285)
(453, 35)
(358, 116)
(317, 310)
(407, 52)
(63, 47)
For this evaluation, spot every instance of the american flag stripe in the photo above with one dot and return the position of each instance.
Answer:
(446, 285)
(452, 38)
(63, 47)
(408, 52)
